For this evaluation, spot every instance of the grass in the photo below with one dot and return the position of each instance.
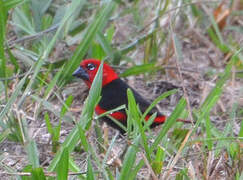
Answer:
(151, 40)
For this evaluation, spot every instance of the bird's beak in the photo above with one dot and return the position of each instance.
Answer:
(81, 73)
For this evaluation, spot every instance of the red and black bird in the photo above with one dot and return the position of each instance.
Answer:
(114, 93)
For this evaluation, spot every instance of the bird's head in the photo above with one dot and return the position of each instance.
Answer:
(88, 69)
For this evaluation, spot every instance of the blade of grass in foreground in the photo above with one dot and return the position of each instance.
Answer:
(33, 154)
(62, 167)
(109, 149)
(241, 130)
(91, 101)
(134, 113)
(90, 172)
(208, 132)
(212, 99)
(169, 122)
(11, 101)
(157, 100)
(88, 148)
(4, 134)
(86, 117)
(140, 69)
(215, 93)
(37, 174)
(129, 160)
(3, 15)
(12, 3)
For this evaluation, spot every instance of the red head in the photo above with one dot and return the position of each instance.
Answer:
(88, 69)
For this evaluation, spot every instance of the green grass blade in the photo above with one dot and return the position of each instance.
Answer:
(38, 9)
(208, 132)
(11, 101)
(51, 85)
(241, 129)
(139, 69)
(3, 16)
(12, 3)
(109, 149)
(62, 166)
(111, 111)
(216, 28)
(129, 160)
(228, 131)
(73, 166)
(178, 47)
(133, 110)
(117, 122)
(134, 44)
(36, 68)
(48, 105)
(13, 60)
(33, 154)
(111, 118)
(86, 117)
(66, 105)
(105, 45)
(94, 96)
(21, 21)
(70, 142)
(38, 174)
(90, 172)
(4, 134)
(48, 124)
(158, 161)
(83, 138)
(217, 90)
(157, 100)
(136, 169)
(89, 35)
(170, 121)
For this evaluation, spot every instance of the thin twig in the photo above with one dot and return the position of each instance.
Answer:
(154, 177)
(50, 174)
(179, 152)
(167, 67)
(216, 168)
(173, 9)
(11, 43)
(189, 110)
(22, 75)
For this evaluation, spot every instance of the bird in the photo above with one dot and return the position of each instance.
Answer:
(114, 94)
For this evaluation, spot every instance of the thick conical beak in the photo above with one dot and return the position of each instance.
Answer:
(81, 73)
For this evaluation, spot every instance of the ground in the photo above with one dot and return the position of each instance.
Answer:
(199, 68)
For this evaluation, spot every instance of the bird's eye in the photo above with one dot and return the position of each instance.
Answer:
(91, 67)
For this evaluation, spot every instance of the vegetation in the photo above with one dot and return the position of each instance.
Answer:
(45, 135)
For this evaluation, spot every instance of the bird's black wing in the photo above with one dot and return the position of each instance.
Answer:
(114, 95)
